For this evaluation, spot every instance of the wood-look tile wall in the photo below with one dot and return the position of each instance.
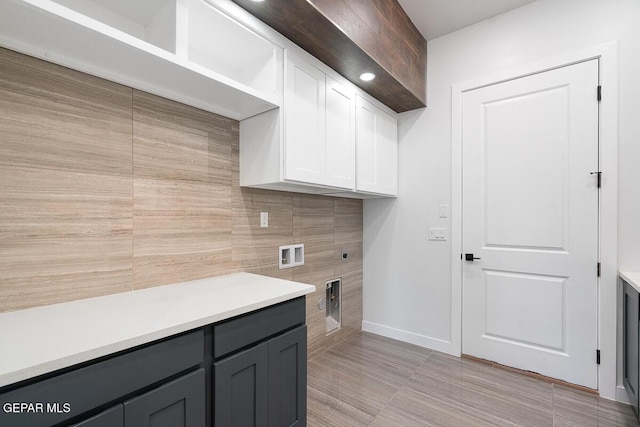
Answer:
(107, 189)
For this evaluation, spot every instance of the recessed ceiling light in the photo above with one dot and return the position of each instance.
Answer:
(367, 77)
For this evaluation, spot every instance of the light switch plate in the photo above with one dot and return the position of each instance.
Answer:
(437, 233)
(443, 211)
(264, 219)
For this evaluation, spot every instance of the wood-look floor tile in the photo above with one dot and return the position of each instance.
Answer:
(365, 344)
(497, 393)
(326, 411)
(446, 391)
(41, 133)
(440, 376)
(42, 79)
(389, 363)
(409, 408)
(574, 408)
(615, 414)
(350, 387)
(388, 419)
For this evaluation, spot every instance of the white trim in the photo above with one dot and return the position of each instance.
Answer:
(608, 317)
(409, 337)
(621, 395)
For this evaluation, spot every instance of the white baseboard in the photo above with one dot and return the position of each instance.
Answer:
(410, 337)
(621, 395)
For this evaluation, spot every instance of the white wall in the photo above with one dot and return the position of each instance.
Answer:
(407, 279)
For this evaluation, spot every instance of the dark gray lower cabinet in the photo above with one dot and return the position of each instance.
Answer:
(631, 307)
(240, 388)
(260, 368)
(112, 417)
(65, 397)
(287, 369)
(264, 385)
(250, 370)
(179, 403)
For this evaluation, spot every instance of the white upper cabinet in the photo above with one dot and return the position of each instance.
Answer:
(309, 145)
(304, 121)
(340, 135)
(376, 150)
(190, 51)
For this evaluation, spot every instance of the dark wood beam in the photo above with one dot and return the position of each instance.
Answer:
(354, 36)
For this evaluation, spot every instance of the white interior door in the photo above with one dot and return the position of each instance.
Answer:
(530, 214)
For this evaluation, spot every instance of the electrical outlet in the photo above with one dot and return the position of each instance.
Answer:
(437, 234)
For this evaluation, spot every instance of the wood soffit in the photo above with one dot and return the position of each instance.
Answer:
(355, 36)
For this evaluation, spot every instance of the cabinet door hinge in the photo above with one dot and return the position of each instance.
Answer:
(597, 357)
(598, 269)
(599, 93)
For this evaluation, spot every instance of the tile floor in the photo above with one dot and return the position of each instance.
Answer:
(369, 380)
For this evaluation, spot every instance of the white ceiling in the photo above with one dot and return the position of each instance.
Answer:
(435, 18)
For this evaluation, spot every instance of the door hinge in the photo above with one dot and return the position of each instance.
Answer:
(598, 269)
(599, 93)
(597, 357)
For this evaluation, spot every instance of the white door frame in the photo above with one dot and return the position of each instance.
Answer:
(608, 313)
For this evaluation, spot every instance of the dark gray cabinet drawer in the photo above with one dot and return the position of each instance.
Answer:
(92, 386)
(112, 417)
(242, 331)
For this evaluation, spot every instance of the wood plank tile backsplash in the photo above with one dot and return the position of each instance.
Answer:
(107, 189)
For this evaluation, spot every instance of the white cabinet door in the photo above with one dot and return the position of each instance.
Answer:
(376, 150)
(304, 144)
(340, 136)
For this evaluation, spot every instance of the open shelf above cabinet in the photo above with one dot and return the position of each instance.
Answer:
(185, 50)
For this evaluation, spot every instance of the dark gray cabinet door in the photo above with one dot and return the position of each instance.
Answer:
(179, 403)
(240, 389)
(631, 318)
(288, 379)
(112, 417)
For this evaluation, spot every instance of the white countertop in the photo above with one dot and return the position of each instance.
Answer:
(43, 339)
(632, 278)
